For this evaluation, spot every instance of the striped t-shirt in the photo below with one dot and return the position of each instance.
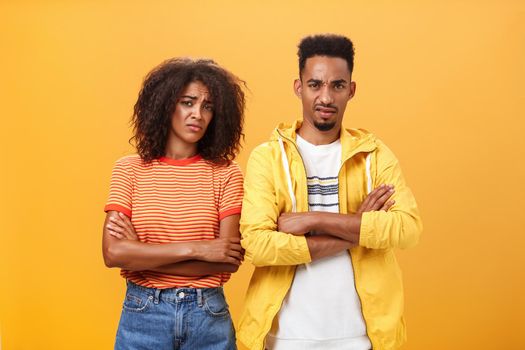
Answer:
(171, 201)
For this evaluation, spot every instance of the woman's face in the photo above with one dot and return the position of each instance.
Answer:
(193, 113)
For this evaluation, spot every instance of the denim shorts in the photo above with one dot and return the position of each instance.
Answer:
(175, 318)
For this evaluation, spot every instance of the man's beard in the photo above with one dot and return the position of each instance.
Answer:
(324, 126)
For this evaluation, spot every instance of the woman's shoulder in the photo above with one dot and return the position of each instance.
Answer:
(226, 170)
(132, 160)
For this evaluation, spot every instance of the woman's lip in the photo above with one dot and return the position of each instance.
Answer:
(194, 127)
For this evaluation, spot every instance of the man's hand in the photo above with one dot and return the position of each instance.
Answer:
(378, 199)
(295, 223)
(301, 223)
(120, 226)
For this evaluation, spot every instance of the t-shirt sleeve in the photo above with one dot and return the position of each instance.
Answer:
(120, 188)
(230, 202)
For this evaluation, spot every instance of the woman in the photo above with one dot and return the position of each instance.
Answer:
(172, 222)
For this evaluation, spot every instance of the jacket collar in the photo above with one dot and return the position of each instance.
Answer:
(353, 141)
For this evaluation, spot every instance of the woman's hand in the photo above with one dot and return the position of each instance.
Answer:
(222, 249)
(120, 227)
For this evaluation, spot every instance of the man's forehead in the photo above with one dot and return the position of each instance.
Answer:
(326, 69)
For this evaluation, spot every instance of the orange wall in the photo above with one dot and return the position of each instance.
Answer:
(441, 82)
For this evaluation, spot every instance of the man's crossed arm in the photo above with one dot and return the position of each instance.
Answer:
(338, 232)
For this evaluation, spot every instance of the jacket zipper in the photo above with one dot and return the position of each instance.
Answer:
(351, 259)
(281, 303)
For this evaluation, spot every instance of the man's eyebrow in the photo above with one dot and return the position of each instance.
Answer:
(314, 81)
(333, 82)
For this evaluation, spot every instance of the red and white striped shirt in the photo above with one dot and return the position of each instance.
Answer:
(172, 200)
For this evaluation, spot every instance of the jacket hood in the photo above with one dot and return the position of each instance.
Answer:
(352, 140)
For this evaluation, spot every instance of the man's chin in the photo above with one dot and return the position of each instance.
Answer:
(324, 126)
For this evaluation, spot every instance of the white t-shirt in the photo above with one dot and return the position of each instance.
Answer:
(322, 309)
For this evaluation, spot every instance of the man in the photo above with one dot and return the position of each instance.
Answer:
(323, 209)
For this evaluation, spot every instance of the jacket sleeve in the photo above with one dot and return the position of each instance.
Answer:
(264, 245)
(401, 226)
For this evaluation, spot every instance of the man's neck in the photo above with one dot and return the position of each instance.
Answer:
(317, 137)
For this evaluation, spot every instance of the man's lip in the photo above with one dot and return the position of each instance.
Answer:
(325, 109)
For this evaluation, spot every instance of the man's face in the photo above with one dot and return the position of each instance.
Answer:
(325, 88)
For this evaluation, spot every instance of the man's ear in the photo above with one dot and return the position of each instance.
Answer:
(352, 90)
(298, 87)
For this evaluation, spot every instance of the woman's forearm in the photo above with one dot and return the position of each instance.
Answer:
(196, 268)
(135, 255)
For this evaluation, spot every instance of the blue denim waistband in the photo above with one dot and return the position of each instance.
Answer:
(175, 294)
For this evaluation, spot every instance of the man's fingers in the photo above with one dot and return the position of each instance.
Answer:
(376, 199)
(388, 205)
(364, 204)
(380, 201)
(372, 197)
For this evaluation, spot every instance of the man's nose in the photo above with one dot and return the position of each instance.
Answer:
(325, 95)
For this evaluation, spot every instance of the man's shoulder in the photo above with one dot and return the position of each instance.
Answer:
(362, 136)
(263, 149)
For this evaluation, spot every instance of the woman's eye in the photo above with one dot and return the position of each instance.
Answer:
(208, 107)
(187, 103)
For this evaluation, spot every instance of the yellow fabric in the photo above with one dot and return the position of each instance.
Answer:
(275, 254)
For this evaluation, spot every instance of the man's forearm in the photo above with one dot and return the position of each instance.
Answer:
(321, 246)
(343, 226)
(196, 268)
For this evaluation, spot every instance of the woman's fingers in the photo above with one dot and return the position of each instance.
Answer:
(124, 226)
(115, 234)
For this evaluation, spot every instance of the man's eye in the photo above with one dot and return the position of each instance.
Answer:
(313, 85)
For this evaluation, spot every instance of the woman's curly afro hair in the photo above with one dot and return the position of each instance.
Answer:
(157, 100)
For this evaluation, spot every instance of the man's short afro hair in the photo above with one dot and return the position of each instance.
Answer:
(331, 45)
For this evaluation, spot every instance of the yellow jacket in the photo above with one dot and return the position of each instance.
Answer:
(276, 254)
